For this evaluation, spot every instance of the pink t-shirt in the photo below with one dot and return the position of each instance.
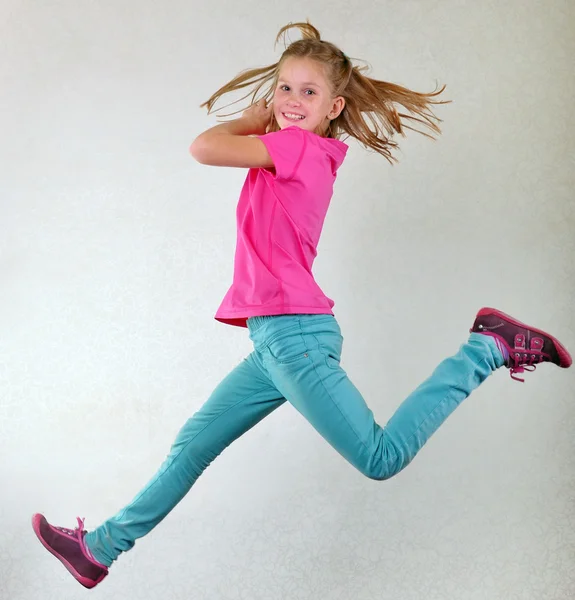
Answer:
(280, 217)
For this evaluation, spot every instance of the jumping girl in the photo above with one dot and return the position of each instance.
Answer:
(290, 141)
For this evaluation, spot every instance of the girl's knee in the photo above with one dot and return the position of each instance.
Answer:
(383, 470)
(378, 475)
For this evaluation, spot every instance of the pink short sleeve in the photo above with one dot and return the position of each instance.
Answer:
(286, 147)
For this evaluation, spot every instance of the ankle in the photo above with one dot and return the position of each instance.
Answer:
(89, 554)
(501, 347)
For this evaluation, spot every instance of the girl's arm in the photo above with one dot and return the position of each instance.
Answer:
(228, 144)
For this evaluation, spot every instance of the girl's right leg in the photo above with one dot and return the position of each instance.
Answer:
(303, 356)
(239, 402)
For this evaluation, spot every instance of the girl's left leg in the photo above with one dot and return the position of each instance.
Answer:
(240, 401)
(314, 382)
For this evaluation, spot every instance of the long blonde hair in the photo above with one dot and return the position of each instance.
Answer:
(367, 101)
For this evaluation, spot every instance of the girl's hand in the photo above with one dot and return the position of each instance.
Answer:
(259, 115)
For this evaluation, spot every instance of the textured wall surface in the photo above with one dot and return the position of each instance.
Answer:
(116, 249)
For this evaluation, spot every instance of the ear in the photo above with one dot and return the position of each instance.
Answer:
(337, 106)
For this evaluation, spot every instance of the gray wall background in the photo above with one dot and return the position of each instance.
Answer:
(116, 249)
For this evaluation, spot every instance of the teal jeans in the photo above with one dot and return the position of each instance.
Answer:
(297, 358)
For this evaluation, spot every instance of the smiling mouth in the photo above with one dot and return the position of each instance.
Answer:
(297, 118)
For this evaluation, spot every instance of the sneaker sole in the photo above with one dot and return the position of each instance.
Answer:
(87, 583)
(564, 356)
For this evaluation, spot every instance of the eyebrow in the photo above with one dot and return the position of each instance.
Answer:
(304, 83)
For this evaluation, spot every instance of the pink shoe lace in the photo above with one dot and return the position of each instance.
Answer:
(75, 533)
(523, 359)
(78, 534)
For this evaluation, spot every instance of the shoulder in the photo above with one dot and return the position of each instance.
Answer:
(292, 145)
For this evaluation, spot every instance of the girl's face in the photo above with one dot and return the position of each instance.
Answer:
(303, 91)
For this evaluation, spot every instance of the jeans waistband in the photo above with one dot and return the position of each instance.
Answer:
(255, 323)
(265, 328)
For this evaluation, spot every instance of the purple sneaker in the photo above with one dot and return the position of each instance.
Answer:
(68, 547)
(525, 346)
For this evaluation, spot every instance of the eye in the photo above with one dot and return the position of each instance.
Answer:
(284, 88)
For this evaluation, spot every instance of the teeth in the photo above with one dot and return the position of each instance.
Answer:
(292, 116)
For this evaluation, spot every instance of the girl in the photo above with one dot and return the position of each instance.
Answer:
(293, 151)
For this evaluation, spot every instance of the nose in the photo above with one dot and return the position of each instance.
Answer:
(293, 99)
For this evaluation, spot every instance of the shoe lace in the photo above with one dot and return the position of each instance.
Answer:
(75, 533)
(524, 361)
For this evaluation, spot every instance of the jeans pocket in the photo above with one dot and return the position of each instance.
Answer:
(330, 344)
(332, 362)
(288, 348)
